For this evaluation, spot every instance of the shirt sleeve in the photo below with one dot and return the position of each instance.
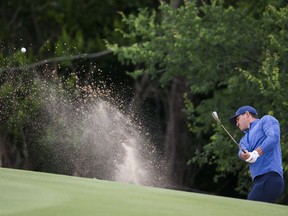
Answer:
(243, 147)
(271, 130)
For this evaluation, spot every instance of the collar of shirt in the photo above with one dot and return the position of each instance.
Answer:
(252, 124)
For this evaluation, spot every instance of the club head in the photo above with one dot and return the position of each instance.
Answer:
(215, 116)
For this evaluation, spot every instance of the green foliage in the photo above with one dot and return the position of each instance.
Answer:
(15, 104)
(181, 39)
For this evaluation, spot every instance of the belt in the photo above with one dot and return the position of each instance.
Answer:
(268, 173)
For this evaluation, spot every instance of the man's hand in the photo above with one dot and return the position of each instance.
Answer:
(253, 156)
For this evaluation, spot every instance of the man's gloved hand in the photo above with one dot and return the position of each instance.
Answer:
(253, 157)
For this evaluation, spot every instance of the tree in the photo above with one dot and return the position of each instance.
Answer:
(169, 100)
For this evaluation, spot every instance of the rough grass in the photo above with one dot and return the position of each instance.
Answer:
(33, 193)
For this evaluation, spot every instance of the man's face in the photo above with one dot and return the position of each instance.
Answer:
(242, 121)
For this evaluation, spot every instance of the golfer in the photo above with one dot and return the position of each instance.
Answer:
(261, 144)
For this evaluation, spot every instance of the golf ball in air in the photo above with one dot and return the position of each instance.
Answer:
(23, 49)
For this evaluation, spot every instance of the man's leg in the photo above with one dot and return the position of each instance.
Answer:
(267, 188)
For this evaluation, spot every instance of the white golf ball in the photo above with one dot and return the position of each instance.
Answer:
(23, 49)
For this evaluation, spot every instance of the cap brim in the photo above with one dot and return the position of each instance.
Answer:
(232, 120)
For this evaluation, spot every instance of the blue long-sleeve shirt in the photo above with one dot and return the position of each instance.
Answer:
(264, 133)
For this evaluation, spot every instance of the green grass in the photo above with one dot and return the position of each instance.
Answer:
(33, 193)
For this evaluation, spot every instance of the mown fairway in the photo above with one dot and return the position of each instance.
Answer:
(39, 194)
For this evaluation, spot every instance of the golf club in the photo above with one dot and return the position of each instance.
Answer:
(215, 116)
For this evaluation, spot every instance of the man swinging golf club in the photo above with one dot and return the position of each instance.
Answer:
(261, 144)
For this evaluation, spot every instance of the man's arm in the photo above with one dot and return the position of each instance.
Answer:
(271, 129)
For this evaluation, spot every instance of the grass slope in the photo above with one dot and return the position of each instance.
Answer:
(33, 193)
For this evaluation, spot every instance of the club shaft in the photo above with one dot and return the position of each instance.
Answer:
(215, 116)
(232, 138)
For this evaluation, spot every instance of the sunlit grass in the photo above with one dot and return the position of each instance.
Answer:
(34, 194)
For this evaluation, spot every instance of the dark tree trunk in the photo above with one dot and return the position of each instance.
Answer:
(176, 3)
(11, 156)
(177, 136)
